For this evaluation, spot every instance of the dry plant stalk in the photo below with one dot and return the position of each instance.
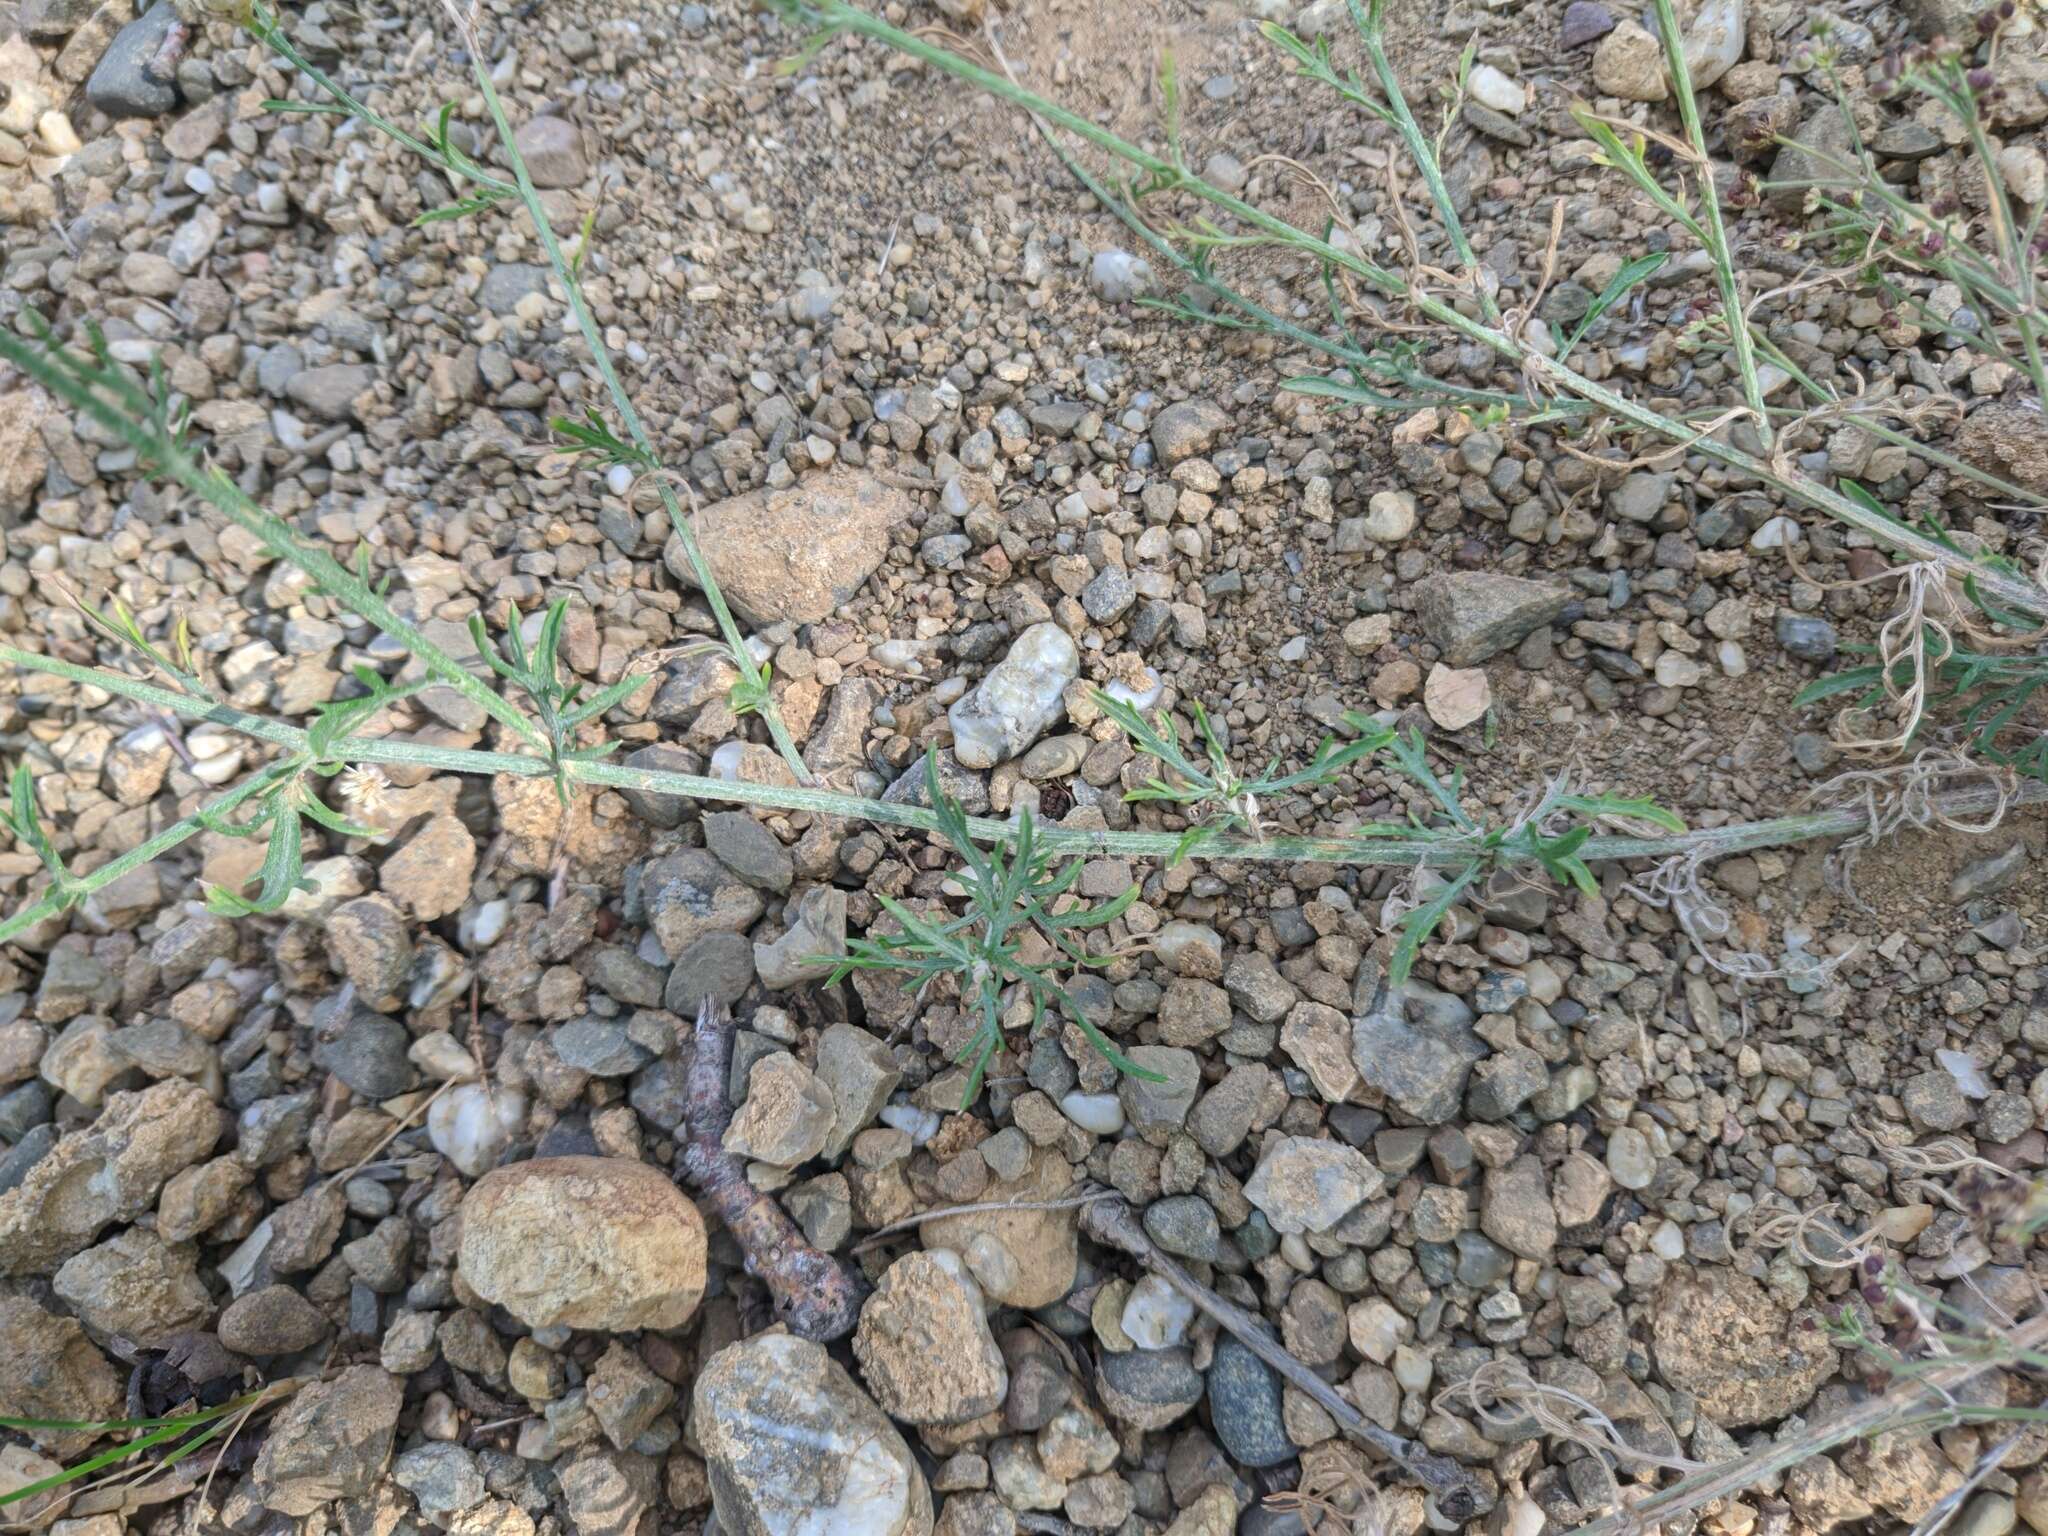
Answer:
(817, 1295)
(1451, 1487)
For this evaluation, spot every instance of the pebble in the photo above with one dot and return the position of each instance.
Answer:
(1629, 63)
(1585, 21)
(330, 1441)
(1472, 615)
(924, 1345)
(1019, 699)
(1306, 1185)
(1807, 638)
(125, 82)
(1149, 1389)
(1118, 276)
(552, 148)
(272, 1320)
(1245, 1407)
(1491, 88)
(1156, 1315)
(109, 1171)
(472, 1124)
(50, 1369)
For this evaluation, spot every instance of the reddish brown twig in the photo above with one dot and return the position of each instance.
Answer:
(817, 1295)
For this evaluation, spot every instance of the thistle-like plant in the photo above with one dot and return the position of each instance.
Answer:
(558, 705)
(1013, 894)
(1211, 794)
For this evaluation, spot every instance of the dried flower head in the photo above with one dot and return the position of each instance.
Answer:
(365, 788)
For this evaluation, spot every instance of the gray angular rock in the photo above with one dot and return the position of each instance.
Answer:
(331, 1441)
(857, 1071)
(127, 81)
(1472, 615)
(1421, 1067)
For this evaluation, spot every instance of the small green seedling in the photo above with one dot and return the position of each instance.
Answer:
(1012, 893)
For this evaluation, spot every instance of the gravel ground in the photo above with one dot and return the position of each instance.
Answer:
(413, 1141)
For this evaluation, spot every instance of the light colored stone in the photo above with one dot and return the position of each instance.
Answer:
(1307, 1185)
(787, 1117)
(134, 1286)
(1629, 63)
(49, 1369)
(1020, 1258)
(1018, 701)
(800, 553)
(1491, 88)
(793, 1447)
(1457, 697)
(924, 1344)
(112, 1170)
(583, 1242)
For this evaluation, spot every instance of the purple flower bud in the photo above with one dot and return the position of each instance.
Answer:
(1980, 79)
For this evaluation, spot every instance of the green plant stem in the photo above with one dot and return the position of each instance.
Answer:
(622, 401)
(50, 903)
(1438, 850)
(2013, 592)
(219, 492)
(1711, 227)
(1373, 35)
(521, 186)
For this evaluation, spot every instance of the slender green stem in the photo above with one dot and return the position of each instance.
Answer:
(1710, 225)
(2014, 592)
(622, 401)
(50, 903)
(176, 462)
(521, 186)
(1397, 112)
(1441, 849)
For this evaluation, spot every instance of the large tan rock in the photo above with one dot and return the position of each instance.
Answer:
(110, 1171)
(330, 1442)
(49, 1369)
(795, 554)
(924, 1344)
(583, 1242)
(1719, 1335)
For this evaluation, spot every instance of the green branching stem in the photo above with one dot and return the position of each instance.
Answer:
(2014, 592)
(752, 692)
(1372, 33)
(107, 396)
(753, 687)
(1712, 231)
(1383, 846)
